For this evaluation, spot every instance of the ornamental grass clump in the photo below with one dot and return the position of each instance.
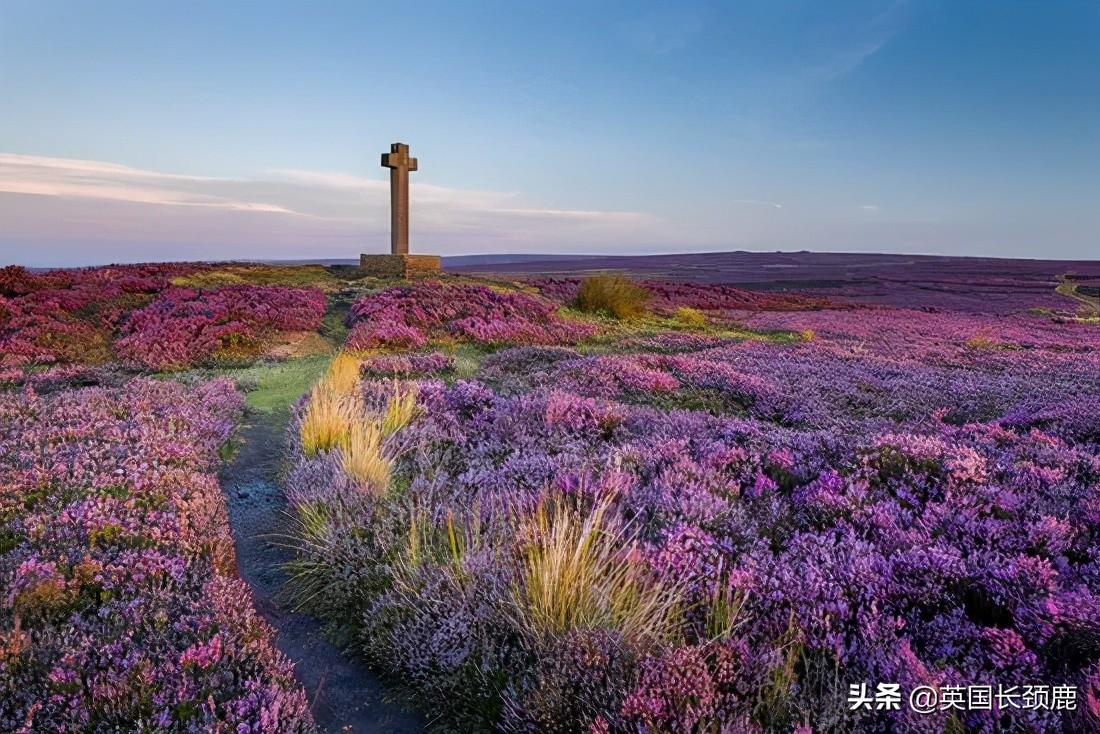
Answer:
(334, 408)
(580, 571)
(362, 458)
(368, 454)
(614, 295)
(401, 408)
(343, 373)
(328, 419)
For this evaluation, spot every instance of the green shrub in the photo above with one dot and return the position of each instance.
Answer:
(615, 295)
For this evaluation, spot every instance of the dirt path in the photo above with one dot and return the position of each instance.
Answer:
(347, 697)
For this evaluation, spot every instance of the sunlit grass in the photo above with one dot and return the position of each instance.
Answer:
(343, 373)
(401, 408)
(315, 276)
(362, 458)
(328, 420)
(579, 572)
(692, 318)
(268, 386)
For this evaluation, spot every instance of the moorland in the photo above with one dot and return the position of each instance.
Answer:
(549, 499)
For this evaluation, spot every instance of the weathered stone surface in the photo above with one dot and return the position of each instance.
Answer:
(399, 163)
(399, 266)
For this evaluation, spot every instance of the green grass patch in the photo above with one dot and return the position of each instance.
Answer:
(612, 332)
(278, 385)
(268, 386)
(467, 357)
(314, 276)
(333, 328)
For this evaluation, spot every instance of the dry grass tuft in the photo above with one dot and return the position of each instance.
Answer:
(343, 373)
(401, 408)
(328, 420)
(982, 341)
(334, 407)
(579, 572)
(362, 457)
(615, 295)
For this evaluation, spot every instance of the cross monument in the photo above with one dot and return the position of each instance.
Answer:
(400, 164)
(399, 263)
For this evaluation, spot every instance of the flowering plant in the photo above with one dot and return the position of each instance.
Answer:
(119, 604)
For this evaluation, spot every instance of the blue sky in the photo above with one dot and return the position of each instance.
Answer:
(141, 131)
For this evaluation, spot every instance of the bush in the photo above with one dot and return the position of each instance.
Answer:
(615, 295)
(690, 317)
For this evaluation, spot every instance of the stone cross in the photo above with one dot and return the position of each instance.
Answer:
(399, 163)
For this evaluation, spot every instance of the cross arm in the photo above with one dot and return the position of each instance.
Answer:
(398, 160)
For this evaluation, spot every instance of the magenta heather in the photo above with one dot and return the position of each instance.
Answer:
(185, 326)
(120, 605)
(406, 317)
(133, 312)
(886, 499)
(401, 365)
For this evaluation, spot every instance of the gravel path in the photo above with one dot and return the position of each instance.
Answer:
(347, 697)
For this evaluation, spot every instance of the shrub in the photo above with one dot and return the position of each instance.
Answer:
(690, 317)
(407, 316)
(391, 365)
(615, 295)
(367, 335)
(184, 326)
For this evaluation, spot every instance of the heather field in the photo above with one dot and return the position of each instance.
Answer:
(972, 284)
(550, 503)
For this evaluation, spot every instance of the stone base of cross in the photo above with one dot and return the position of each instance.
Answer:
(400, 266)
(399, 263)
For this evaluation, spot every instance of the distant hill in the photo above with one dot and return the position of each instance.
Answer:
(998, 285)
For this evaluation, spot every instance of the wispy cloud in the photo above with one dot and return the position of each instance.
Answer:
(74, 178)
(757, 202)
(869, 208)
(863, 40)
(290, 212)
